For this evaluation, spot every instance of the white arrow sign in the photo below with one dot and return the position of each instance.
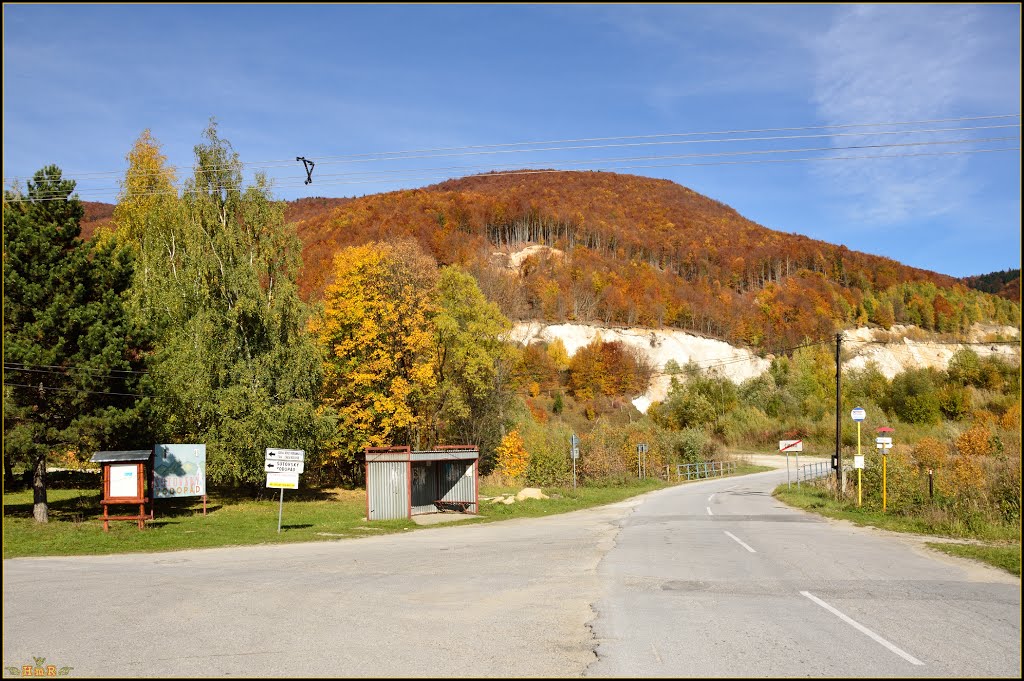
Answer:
(883, 440)
(271, 466)
(285, 454)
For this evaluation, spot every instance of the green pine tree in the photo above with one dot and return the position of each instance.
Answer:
(71, 372)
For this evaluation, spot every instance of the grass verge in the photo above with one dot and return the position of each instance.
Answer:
(1004, 557)
(76, 526)
(1003, 546)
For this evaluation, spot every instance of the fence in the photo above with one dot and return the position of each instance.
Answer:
(704, 469)
(813, 471)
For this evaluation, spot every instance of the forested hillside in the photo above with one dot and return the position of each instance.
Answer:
(636, 251)
(626, 250)
(1005, 283)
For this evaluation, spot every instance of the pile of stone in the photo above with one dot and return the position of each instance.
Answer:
(525, 493)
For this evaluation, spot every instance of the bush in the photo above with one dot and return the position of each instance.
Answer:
(601, 457)
(913, 397)
(550, 464)
(513, 458)
(930, 453)
(906, 488)
(1005, 492)
(695, 445)
(976, 441)
(955, 402)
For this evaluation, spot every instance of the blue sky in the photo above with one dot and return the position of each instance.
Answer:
(81, 82)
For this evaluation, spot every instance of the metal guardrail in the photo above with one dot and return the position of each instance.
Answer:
(813, 471)
(701, 470)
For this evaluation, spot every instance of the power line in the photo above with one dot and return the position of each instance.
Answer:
(975, 140)
(705, 141)
(917, 342)
(19, 366)
(679, 156)
(506, 147)
(436, 175)
(80, 390)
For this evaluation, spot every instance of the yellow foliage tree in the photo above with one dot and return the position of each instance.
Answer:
(513, 459)
(376, 337)
(558, 354)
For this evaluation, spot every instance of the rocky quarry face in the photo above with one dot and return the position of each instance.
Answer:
(893, 351)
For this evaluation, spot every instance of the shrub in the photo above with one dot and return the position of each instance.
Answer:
(930, 453)
(601, 456)
(954, 402)
(549, 462)
(913, 397)
(513, 458)
(1005, 492)
(976, 441)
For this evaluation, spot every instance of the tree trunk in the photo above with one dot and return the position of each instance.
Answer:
(39, 507)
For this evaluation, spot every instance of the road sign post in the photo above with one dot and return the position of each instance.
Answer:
(574, 452)
(788, 446)
(282, 467)
(858, 415)
(885, 444)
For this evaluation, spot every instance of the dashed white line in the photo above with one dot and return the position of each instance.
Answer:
(711, 497)
(709, 511)
(656, 655)
(740, 542)
(862, 629)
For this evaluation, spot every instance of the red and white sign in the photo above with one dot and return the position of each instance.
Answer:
(791, 445)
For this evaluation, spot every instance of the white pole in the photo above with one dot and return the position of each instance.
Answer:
(280, 509)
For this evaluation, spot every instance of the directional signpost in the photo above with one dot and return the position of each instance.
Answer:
(885, 444)
(574, 452)
(788, 446)
(282, 467)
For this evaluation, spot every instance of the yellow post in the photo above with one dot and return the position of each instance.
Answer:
(883, 481)
(858, 470)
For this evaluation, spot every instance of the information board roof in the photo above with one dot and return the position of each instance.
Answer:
(124, 455)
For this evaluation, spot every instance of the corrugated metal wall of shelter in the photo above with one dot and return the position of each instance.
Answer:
(387, 489)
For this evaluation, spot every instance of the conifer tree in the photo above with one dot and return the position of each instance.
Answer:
(71, 370)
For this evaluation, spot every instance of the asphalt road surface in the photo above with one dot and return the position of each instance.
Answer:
(714, 578)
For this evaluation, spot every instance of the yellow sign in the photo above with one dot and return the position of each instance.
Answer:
(283, 480)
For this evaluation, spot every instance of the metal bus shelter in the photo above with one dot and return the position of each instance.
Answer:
(401, 483)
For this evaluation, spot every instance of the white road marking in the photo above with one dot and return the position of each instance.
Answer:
(740, 542)
(862, 629)
(711, 497)
(656, 655)
(709, 511)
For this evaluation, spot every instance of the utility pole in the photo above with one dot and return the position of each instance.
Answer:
(839, 456)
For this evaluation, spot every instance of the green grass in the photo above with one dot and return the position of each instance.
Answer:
(76, 526)
(1005, 557)
(1003, 552)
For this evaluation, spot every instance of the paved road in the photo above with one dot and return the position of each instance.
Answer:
(709, 579)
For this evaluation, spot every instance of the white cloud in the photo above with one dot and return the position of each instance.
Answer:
(881, 63)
